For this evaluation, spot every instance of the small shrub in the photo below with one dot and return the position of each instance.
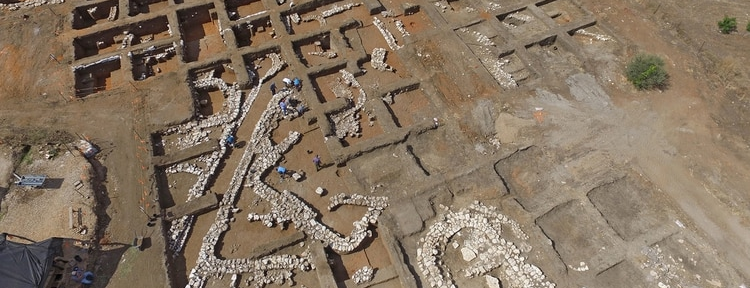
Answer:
(727, 25)
(748, 27)
(647, 72)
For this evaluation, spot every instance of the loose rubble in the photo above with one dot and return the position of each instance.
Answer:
(386, 34)
(378, 60)
(363, 275)
(483, 224)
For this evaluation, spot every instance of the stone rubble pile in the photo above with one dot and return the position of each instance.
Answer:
(295, 18)
(324, 54)
(103, 60)
(316, 17)
(485, 248)
(112, 14)
(346, 122)
(28, 4)
(363, 275)
(668, 271)
(378, 60)
(273, 269)
(521, 17)
(386, 34)
(479, 37)
(401, 28)
(443, 6)
(373, 202)
(184, 167)
(128, 40)
(600, 37)
(336, 9)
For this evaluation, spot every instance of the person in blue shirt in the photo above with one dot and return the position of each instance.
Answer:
(297, 83)
(282, 104)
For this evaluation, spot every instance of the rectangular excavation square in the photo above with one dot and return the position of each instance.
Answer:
(629, 207)
(563, 11)
(325, 81)
(92, 14)
(97, 43)
(407, 106)
(153, 61)
(557, 58)
(237, 9)
(519, 172)
(254, 32)
(518, 70)
(577, 233)
(522, 23)
(174, 182)
(200, 32)
(211, 99)
(146, 6)
(122, 37)
(315, 50)
(369, 128)
(97, 77)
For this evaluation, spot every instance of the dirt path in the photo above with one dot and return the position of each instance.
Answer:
(683, 155)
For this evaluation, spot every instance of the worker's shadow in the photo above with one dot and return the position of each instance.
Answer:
(52, 183)
(240, 144)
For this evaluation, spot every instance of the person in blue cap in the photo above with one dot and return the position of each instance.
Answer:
(230, 141)
(282, 171)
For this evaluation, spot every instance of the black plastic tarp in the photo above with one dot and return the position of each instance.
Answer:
(27, 265)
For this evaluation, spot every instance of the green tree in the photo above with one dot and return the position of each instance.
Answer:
(727, 25)
(647, 72)
(748, 27)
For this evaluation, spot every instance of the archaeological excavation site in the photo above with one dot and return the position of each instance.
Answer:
(373, 143)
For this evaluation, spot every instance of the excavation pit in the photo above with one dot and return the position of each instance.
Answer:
(254, 32)
(408, 107)
(563, 11)
(620, 202)
(579, 234)
(557, 56)
(97, 77)
(315, 50)
(210, 100)
(200, 33)
(97, 13)
(153, 61)
(324, 82)
(521, 23)
(146, 6)
(518, 70)
(238, 9)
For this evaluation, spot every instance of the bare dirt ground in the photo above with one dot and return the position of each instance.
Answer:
(615, 187)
